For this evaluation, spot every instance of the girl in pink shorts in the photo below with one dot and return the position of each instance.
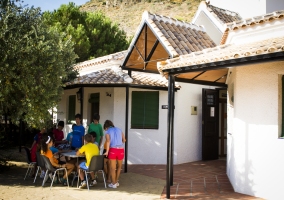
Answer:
(115, 140)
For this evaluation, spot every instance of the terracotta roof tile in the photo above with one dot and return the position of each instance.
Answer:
(255, 20)
(224, 52)
(117, 76)
(171, 32)
(225, 16)
(119, 56)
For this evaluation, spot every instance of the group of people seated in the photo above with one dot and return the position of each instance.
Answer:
(53, 143)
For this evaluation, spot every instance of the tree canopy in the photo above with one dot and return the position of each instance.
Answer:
(93, 34)
(34, 60)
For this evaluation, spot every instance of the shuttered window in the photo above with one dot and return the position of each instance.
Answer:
(282, 129)
(71, 108)
(145, 110)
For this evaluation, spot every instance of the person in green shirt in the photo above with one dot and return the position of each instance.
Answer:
(96, 127)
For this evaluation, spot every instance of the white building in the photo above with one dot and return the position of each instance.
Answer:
(253, 52)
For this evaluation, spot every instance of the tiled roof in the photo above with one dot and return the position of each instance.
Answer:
(119, 77)
(100, 61)
(255, 20)
(223, 53)
(225, 16)
(178, 37)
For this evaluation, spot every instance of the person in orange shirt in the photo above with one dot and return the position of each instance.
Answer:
(46, 143)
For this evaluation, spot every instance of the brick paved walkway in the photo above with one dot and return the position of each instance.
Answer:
(195, 180)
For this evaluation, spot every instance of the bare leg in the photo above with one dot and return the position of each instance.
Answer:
(106, 166)
(92, 175)
(119, 164)
(70, 168)
(112, 170)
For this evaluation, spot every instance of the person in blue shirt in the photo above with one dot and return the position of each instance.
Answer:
(69, 136)
(78, 133)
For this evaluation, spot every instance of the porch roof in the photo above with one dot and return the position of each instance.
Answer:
(116, 77)
(101, 61)
(213, 62)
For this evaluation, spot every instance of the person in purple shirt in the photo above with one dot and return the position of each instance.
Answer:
(115, 140)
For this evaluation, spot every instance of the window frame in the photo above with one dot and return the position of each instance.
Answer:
(145, 110)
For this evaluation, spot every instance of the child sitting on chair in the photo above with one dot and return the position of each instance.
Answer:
(90, 150)
(46, 143)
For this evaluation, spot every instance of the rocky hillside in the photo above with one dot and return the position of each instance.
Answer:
(128, 13)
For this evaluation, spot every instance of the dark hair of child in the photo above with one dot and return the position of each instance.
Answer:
(88, 138)
(96, 117)
(93, 133)
(61, 123)
(78, 116)
(73, 125)
(108, 124)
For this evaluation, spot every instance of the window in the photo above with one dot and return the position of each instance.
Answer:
(71, 108)
(282, 129)
(145, 110)
(94, 100)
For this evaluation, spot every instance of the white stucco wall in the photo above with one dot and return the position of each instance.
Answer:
(255, 154)
(250, 8)
(147, 146)
(256, 33)
(62, 111)
(187, 127)
(212, 29)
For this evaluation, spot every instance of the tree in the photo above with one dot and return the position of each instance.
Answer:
(93, 34)
(34, 60)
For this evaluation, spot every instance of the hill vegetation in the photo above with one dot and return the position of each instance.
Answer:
(128, 13)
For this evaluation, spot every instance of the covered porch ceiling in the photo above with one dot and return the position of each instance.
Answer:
(145, 53)
(161, 38)
(148, 51)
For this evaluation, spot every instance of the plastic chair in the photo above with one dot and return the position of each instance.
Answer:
(96, 165)
(50, 168)
(29, 161)
(40, 164)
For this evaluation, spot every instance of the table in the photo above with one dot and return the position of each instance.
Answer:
(72, 154)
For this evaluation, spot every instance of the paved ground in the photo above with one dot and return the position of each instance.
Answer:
(195, 180)
(132, 186)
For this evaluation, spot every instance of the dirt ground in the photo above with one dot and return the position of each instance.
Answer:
(13, 186)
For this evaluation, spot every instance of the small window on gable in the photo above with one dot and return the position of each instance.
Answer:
(145, 110)
(71, 108)
(282, 90)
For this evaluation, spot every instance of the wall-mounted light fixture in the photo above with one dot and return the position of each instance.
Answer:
(79, 95)
(108, 94)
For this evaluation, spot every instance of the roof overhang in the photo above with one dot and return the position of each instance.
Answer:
(211, 65)
(218, 65)
(119, 85)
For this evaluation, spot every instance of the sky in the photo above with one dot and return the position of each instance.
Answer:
(50, 5)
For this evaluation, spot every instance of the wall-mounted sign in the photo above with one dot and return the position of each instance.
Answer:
(164, 106)
(212, 111)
